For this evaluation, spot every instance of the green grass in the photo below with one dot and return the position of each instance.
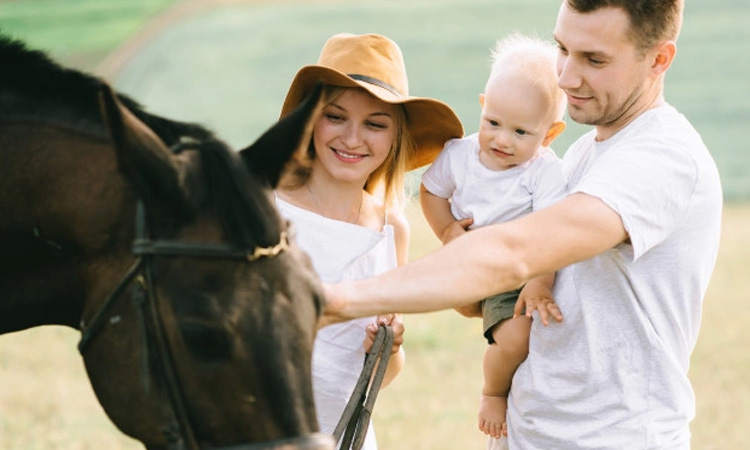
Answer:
(230, 68)
(79, 32)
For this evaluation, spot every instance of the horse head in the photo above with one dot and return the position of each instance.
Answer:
(224, 310)
(156, 240)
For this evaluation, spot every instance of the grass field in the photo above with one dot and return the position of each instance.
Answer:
(248, 55)
(79, 32)
(230, 67)
(46, 402)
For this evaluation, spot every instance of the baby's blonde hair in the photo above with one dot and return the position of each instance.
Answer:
(534, 59)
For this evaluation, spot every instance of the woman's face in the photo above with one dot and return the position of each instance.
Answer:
(353, 135)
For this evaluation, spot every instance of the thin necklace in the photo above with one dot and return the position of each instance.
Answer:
(320, 210)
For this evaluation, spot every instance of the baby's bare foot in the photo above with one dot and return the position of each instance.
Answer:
(492, 415)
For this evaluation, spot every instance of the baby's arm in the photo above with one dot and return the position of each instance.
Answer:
(437, 211)
(537, 295)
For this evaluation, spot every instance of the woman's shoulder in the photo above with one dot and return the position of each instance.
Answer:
(373, 212)
(397, 218)
(401, 234)
(376, 214)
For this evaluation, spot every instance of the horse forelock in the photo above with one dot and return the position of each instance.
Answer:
(239, 199)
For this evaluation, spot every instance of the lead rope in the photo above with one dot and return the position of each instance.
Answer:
(355, 420)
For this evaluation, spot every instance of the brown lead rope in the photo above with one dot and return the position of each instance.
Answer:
(356, 417)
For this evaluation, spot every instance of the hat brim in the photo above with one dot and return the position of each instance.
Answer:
(431, 122)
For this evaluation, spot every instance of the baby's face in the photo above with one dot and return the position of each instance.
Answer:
(515, 119)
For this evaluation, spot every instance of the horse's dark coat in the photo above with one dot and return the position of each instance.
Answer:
(73, 160)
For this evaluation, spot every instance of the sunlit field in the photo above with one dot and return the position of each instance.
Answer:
(229, 66)
(46, 401)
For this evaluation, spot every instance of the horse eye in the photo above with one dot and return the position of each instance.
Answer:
(208, 343)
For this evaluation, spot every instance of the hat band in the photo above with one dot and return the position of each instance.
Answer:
(376, 82)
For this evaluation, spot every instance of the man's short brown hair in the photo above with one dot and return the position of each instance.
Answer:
(652, 21)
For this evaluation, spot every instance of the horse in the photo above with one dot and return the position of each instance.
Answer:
(163, 247)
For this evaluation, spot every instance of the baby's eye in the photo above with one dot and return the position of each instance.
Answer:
(521, 132)
(494, 123)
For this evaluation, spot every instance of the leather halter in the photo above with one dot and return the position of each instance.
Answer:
(351, 429)
(157, 354)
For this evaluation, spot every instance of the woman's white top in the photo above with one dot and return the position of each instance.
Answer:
(340, 251)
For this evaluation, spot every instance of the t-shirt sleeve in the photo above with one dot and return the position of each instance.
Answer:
(649, 185)
(439, 178)
(550, 184)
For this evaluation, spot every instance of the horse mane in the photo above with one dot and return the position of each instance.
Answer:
(34, 87)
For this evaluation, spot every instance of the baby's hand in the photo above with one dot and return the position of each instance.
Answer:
(537, 296)
(395, 322)
(456, 229)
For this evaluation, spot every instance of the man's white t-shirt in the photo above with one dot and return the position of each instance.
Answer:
(493, 196)
(613, 374)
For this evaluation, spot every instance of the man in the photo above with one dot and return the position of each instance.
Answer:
(634, 244)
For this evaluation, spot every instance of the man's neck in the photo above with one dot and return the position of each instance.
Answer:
(647, 101)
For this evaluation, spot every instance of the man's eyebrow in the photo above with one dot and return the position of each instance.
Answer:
(598, 54)
(595, 54)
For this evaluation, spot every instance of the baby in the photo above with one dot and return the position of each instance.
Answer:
(504, 171)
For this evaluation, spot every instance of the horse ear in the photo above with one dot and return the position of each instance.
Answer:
(283, 147)
(151, 169)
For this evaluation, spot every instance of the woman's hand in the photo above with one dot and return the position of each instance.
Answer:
(394, 321)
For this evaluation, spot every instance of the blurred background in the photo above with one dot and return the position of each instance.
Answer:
(228, 63)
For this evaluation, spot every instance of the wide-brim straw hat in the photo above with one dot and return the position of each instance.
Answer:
(375, 63)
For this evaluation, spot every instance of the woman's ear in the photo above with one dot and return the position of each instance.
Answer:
(554, 131)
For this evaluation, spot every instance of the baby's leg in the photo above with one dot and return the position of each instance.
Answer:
(501, 359)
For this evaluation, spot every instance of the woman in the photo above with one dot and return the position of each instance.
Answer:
(346, 206)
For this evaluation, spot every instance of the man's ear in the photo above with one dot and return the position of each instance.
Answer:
(554, 131)
(663, 57)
